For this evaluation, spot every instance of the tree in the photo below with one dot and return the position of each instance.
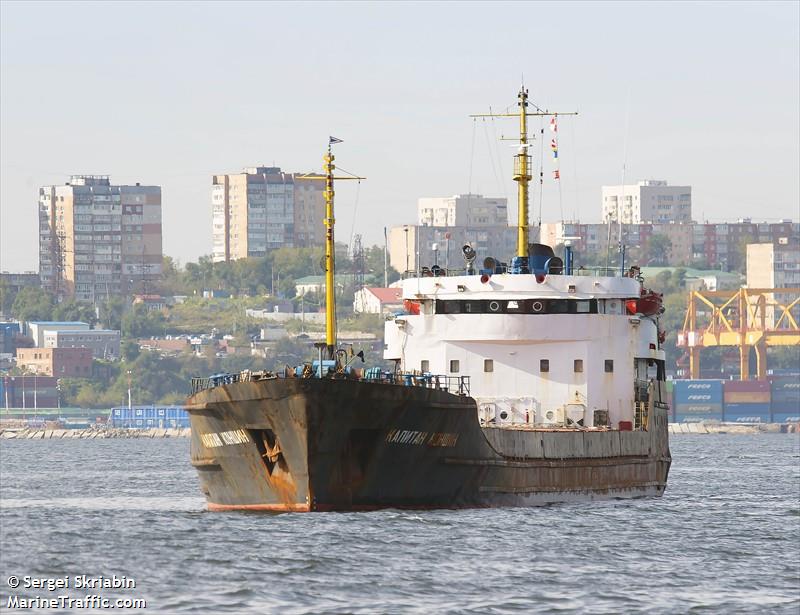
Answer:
(658, 250)
(32, 303)
(140, 322)
(112, 311)
(129, 350)
(75, 311)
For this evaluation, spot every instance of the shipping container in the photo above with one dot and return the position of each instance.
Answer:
(698, 391)
(785, 388)
(746, 413)
(143, 417)
(786, 417)
(784, 411)
(746, 391)
(694, 412)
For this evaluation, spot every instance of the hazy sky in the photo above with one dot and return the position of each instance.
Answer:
(705, 94)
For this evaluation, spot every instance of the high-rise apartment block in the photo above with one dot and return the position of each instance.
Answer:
(775, 265)
(416, 246)
(771, 265)
(469, 210)
(650, 200)
(97, 240)
(705, 245)
(263, 208)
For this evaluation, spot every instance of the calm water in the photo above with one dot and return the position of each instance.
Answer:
(724, 539)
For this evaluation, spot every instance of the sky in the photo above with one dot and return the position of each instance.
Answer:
(700, 94)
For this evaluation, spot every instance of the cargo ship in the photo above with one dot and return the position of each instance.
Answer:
(515, 383)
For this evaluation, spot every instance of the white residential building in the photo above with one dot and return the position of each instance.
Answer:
(371, 300)
(463, 210)
(649, 200)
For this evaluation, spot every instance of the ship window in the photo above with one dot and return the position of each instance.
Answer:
(609, 365)
(425, 365)
(488, 365)
(454, 366)
(582, 307)
(473, 307)
(578, 366)
(544, 365)
(558, 306)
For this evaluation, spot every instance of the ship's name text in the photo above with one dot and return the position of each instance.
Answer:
(418, 438)
(213, 440)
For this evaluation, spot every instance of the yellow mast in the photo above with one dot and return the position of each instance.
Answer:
(522, 174)
(330, 246)
(330, 251)
(522, 164)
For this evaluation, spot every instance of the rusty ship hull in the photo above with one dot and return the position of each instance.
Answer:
(287, 444)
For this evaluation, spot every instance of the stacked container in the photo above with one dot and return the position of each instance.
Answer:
(145, 417)
(746, 401)
(785, 399)
(697, 400)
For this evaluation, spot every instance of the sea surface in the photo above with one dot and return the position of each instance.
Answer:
(725, 538)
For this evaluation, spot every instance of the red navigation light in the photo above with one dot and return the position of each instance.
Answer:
(484, 278)
(540, 277)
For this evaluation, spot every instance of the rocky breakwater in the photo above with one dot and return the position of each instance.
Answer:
(732, 428)
(28, 433)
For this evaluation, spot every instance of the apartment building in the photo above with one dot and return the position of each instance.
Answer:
(771, 265)
(707, 245)
(264, 208)
(649, 200)
(468, 210)
(97, 240)
(413, 245)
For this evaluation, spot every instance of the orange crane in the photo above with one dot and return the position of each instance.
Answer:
(747, 318)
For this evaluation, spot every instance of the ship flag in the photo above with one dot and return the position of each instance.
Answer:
(333, 140)
(556, 174)
(554, 125)
(554, 147)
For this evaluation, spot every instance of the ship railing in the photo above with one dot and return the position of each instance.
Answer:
(590, 271)
(433, 272)
(201, 384)
(458, 385)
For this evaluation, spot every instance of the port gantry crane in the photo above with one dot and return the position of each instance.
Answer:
(747, 317)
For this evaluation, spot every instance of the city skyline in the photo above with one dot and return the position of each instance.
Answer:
(167, 99)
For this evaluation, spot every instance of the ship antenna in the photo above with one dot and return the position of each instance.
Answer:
(330, 249)
(523, 164)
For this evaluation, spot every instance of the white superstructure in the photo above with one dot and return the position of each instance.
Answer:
(560, 351)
